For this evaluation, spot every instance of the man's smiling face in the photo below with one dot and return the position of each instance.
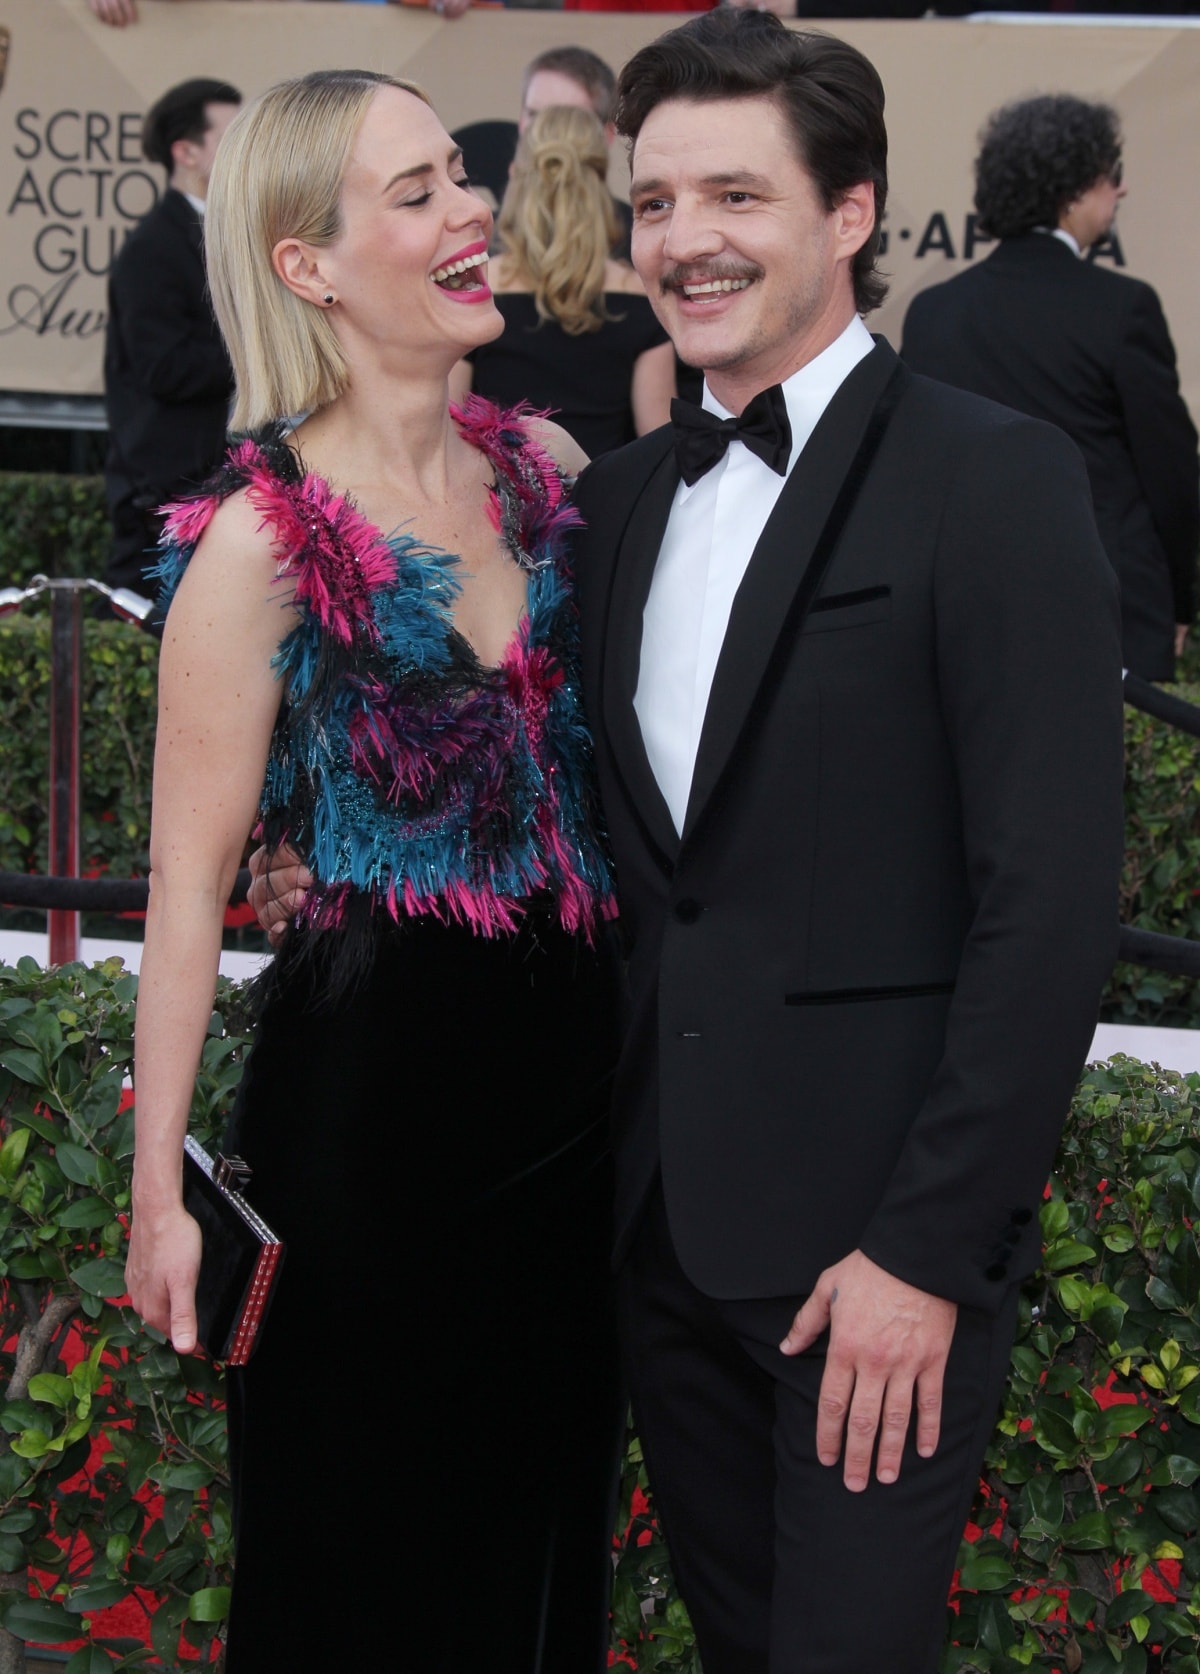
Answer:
(746, 268)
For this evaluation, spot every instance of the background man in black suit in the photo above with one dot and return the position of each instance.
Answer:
(856, 695)
(1069, 341)
(167, 379)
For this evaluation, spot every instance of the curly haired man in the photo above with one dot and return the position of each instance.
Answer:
(1064, 339)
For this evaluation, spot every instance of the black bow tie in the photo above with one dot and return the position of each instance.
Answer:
(701, 437)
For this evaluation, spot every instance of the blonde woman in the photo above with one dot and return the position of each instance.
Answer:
(580, 337)
(371, 652)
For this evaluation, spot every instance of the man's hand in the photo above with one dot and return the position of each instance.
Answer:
(118, 12)
(281, 881)
(886, 1338)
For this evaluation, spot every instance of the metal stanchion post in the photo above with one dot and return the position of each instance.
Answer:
(66, 686)
(66, 653)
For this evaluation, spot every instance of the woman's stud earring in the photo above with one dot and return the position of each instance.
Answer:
(328, 298)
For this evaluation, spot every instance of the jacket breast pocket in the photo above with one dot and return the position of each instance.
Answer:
(849, 610)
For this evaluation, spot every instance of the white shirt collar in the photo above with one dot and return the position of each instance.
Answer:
(198, 204)
(809, 391)
(1064, 237)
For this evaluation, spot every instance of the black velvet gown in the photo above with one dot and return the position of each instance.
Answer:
(425, 1444)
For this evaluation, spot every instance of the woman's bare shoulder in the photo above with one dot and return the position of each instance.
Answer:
(559, 444)
(234, 570)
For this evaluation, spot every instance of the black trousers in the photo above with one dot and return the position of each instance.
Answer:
(783, 1569)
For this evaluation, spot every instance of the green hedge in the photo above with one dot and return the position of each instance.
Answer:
(1160, 887)
(1083, 1554)
(113, 1474)
(120, 671)
(51, 525)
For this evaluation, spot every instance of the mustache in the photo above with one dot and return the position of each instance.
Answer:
(692, 273)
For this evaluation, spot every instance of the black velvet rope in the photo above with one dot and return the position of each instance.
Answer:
(1174, 954)
(1164, 706)
(101, 895)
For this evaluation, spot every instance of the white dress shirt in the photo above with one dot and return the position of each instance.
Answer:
(711, 533)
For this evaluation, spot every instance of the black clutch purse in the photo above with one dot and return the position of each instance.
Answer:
(241, 1256)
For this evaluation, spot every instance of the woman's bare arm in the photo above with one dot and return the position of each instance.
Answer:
(218, 698)
(653, 387)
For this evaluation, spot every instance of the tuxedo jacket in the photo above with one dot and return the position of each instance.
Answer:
(167, 378)
(1087, 349)
(863, 981)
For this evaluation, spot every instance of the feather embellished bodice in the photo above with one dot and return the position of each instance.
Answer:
(413, 779)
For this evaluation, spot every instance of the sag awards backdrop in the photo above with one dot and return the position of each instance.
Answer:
(72, 179)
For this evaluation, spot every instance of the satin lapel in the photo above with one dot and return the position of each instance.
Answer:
(632, 572)
(778, 566)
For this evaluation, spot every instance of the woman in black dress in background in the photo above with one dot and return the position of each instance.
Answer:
(372, 650)
(580, 338)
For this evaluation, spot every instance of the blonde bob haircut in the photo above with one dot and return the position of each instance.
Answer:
(278, 174)
(557, 224)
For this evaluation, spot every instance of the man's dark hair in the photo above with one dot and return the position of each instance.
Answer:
(830, 95)
(1037, 156)
(583, 66)
(182, 113)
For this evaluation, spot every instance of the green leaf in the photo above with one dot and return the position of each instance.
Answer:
(1124, 1464)
(42, 1621)
(13, 1555)
(1123, 1418)
(1164, 1296)
(1074, 1293)
(97, 1595)
(1090, 1533)
(39, 1124)
(1045, 1494)
(12, 1153)
(90, 1659)
(192, 1473)
(1175, 1468)
(102, 1277)
(210, 1604)
(26, 1066)
(51, 1388)
(85, 1212)
(164, 1629)
(1067, 1252)
(985, 1573)
(1053, 1430)
(31, 1444)
(1117, 1238)
(1126, 1606)
(79, 1165)
(1055, 1218)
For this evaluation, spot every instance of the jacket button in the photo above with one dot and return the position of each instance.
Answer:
(687, 911)
(996, 1271)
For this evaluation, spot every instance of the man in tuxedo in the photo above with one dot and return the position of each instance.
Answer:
(852, 662)
(1043, 329)
(167, 378)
